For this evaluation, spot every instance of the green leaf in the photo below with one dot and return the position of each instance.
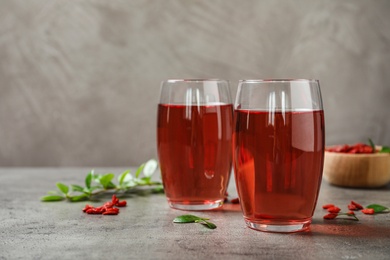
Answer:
(372, 145)
(385, 149)
(105, 180)
(130, 184)
(378, 208)
(96, 177)
(206, 224)
(77, 188)
(139, 170)
(158, 189)
(110, 185)
(122, 177)
(145, 180)
(88, 179)
(187, 219)
(62, 187)
(79, 197)
(52, 198)
(87, 191)
(150, 167)
(194, 219)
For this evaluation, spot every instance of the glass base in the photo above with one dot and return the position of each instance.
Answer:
(279, 227)
(208, 205)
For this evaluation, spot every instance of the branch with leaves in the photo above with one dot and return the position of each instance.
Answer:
(97, 184)
(194, 219)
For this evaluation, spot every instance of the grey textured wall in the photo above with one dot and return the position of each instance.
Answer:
(80, 79)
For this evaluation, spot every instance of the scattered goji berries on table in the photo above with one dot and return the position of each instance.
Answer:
(108, 208)
(334, 211)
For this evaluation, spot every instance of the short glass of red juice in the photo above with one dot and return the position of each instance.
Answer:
(278, 151)
(194, 142)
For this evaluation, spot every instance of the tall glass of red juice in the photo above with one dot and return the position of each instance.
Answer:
(278, 146)
(194, 142)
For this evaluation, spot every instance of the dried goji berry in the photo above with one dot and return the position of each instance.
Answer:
(94, 211)
(122, 203)
(367, 149)
(235, 201)
(101, 209)
(353, 150)
(111, 211)
(90, 211)
(334, 209)
(108, 204)
(344, 148)
(114, 199)
(368, 211)
(87, 207)
(226, 198)
(357, 205)
(326, 206)
(339, 148)
(330, 216)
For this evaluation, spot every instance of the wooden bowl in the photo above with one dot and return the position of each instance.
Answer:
(357, 170)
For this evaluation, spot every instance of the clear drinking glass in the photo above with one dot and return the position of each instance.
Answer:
(278, 152)
(194, 141)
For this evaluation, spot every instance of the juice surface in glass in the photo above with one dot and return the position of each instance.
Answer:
(278, 164)
(194, 146)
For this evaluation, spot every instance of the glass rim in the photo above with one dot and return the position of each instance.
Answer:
(277, 80)
(195, 80)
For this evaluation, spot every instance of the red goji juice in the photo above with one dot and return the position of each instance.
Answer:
(195, 152)
(278, 164)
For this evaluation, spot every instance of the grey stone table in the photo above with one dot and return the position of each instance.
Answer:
(30, 229)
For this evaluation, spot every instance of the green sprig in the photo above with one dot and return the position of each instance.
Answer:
(350, 216)
(96, 184)
(194, 219)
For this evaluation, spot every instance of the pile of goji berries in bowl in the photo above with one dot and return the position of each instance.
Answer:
(359, 165)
